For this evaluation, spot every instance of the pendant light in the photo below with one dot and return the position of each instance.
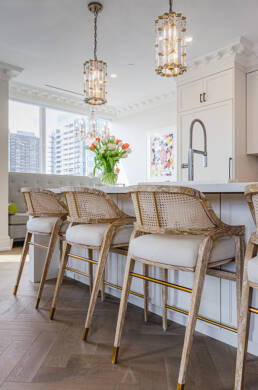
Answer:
(170, 43)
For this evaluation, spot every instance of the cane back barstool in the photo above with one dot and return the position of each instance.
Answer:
(176, 229)
(48, 214)
(250, 282)
(96, 223)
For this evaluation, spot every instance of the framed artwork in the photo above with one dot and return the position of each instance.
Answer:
(162, 156)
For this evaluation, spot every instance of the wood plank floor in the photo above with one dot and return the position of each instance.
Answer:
(39, 354)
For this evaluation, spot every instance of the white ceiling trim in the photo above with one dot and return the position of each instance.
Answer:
(7, 71)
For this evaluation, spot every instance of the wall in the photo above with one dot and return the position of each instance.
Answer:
(134, 129)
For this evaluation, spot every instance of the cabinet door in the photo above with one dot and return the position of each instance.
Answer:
(189, 96)
(252, 113)
(218, 87)
(218, 122)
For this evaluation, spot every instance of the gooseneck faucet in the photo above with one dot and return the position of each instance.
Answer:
(192, 151)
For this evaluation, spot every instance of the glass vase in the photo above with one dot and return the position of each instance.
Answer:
(109, 178)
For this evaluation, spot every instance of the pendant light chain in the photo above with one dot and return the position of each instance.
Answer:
(95, 33)
(170, 6)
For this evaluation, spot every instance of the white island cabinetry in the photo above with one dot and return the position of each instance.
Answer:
(218, 300)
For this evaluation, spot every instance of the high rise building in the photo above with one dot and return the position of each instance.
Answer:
(24, 152)
(67, 154)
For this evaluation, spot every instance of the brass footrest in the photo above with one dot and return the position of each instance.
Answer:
(180, 386)
(15, 290)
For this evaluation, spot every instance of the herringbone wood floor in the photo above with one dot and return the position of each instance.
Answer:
(39, 354)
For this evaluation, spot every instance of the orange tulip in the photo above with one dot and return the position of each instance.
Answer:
(118, 140)
(117, 170)
(125, 146)
(93, 147)
(98, 139)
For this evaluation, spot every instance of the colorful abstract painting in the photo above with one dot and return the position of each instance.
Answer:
(162, 157)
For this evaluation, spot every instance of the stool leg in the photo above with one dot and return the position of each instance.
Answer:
(244, 323)
(164, 291)
(25, 250)
(60, 244)
(243, 334)
(98, 278)
(90, 255)
(240, 245)
(50, 250)
(60, 277)
(123, 305)
(146, 292)
(199, 277)
(103, 287)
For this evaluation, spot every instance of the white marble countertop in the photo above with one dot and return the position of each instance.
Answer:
(206, 187)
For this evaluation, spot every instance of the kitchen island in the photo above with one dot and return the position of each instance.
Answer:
(218, 300)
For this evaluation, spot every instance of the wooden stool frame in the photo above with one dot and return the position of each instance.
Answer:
(75, 198)
(42, 203)
(251, 193)
(152, 219)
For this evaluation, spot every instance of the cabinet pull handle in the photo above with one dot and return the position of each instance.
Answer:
(201, 98)
(204, 96)
(229, 167)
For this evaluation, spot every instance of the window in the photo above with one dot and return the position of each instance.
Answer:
(65, 153)
(44, 140)
(24, 138)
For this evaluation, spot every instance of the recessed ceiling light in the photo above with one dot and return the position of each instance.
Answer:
(189, 39)
(113, 76)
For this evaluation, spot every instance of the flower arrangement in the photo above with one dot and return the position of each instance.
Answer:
(108, 152)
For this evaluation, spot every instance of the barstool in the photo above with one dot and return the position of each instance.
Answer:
(48, 214)
(176, 229)
(250, 282)
(96, 223)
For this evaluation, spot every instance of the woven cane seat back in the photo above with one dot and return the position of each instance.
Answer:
(170, 210)
(251, 194)
(89, 205)
(41, 202)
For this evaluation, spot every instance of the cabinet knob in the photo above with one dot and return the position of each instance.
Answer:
(201, 98)
(204, 97)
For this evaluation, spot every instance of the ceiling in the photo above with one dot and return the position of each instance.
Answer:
(51, 39)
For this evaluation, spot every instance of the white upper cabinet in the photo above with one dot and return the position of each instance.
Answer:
(252, 113)
(218, 87)
(209, 90)
(190, 95)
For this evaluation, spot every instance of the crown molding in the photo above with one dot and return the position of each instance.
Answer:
(8, 71)
(241, 50)
(58, 100)
(146, 104)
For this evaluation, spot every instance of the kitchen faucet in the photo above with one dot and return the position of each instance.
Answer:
(192, 151)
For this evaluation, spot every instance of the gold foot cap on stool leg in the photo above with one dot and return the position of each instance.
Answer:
(15, 290)
(180, 386)
(115, 355)
(37, 303)
(52, 313)
(85, 334)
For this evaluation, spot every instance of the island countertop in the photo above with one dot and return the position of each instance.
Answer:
(206, 187)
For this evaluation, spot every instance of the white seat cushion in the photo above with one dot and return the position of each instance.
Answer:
(44, 224)
(253, 270)
(93, 234)
(178, 250)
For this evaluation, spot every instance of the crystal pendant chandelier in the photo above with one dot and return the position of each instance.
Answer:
(90, 132)
(170, 43)
(95, 71)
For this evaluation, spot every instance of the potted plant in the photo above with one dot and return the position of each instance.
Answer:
(108, 152)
